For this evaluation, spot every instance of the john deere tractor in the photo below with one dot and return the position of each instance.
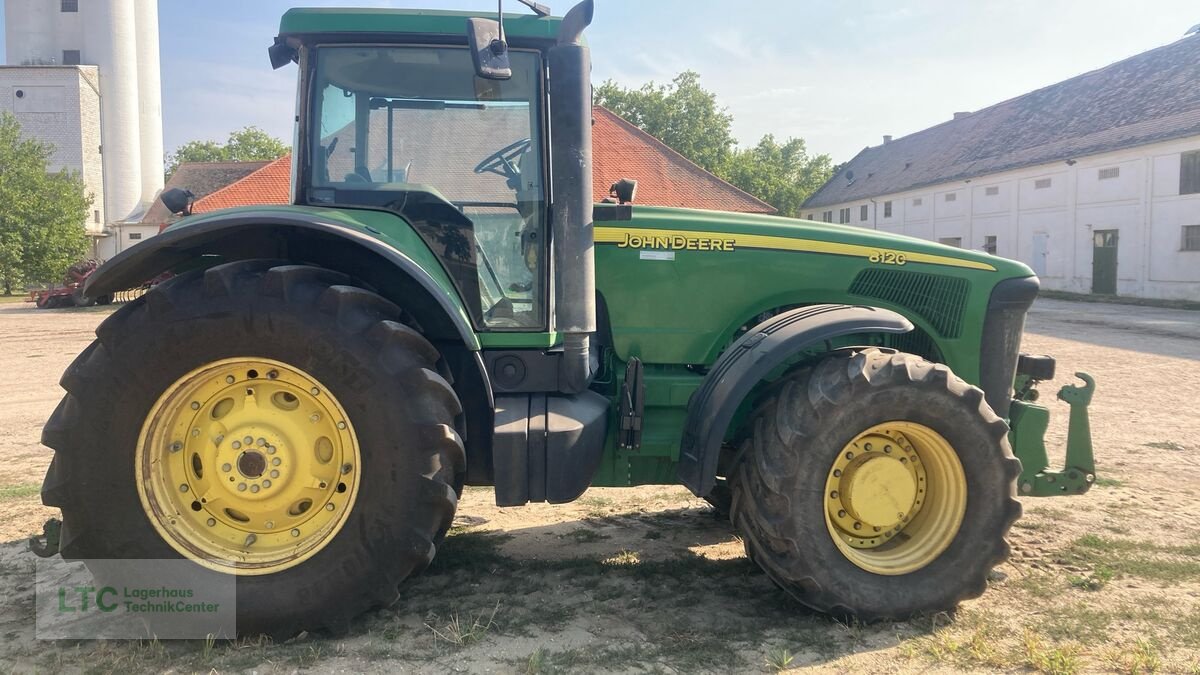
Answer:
(443, 304)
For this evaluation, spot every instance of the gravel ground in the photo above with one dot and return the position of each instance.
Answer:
(647, 579)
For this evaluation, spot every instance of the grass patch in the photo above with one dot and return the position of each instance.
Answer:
(462, 633)
(13, 299)
(779, 659)
(1147, 560)
(8, 492)
(585, 535)
(1165, 445)
(1119, 300)
(1109, 482)
(1049, 659)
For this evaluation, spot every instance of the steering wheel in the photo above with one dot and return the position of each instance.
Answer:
(501, 161)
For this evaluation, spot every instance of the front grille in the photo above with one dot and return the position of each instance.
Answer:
(937, 298)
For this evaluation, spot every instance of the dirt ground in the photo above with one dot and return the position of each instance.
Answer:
(648, 579)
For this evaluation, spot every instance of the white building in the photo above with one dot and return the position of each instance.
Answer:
(1093, 182)
(55, 49)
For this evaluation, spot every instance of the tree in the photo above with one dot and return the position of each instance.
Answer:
(249, 144)
(781, 175)
(688, 119)
(41, 222)
(682, 114)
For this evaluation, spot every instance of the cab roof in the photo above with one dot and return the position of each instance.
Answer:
(308, 20)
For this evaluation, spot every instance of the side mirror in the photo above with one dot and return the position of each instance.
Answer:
(488, 49)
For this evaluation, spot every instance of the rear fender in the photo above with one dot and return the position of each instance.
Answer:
(751, 358)
(303, 237)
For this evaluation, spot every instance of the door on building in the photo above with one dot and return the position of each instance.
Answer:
(1104, 262)
(1041, 248)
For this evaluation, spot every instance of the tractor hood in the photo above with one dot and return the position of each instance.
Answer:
(668, 229)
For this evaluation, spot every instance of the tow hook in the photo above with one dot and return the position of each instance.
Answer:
(46, 544)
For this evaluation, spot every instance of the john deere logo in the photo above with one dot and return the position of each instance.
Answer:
(675, 242)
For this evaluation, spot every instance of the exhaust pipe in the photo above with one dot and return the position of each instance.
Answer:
(571, 207)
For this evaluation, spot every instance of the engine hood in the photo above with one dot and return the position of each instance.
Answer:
(654, 227)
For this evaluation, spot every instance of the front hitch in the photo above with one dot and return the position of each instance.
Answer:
(46, 545)
(1029, 422)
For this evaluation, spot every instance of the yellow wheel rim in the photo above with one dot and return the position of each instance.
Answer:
(247, 465)
(895, 498)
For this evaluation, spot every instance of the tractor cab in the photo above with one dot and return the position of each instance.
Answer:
(410, 128)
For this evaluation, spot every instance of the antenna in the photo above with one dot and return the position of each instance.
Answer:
(537, 7)
(500, 20)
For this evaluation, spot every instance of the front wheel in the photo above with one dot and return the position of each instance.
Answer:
(876, 485)
(267, 421)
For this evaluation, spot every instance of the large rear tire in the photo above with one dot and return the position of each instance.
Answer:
(876, 485)
(313, 370)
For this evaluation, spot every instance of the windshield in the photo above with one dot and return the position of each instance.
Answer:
(402, 125)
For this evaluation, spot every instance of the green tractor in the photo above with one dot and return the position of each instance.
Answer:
(444, 305)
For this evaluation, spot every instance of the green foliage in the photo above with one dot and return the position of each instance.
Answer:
(249, 144)
(41, 224)
(783, 175)
(682, 114)
(687, 118)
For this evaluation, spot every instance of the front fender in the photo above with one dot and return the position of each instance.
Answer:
(747, 361)
(334, 238)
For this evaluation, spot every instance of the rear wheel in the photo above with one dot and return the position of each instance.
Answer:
(876, 485)
(273, 422)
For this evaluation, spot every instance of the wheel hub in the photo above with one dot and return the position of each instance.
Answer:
(247, 465)
(895, 497)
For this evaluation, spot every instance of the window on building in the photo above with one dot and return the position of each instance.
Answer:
(1189, 173)
(887, 209)
(70, 57)
(135, 235)
(862, 212)
(989, 244)
(844, 216)
(991, 191)
(1109, 173)
(951, 241)
(1041, 184)
(1191, 238)
(70, 5)
(810, 216)
(96, 215)
(951, 196)
(917, 201)
(827, 216)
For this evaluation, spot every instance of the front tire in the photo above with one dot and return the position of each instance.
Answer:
(876, 485)
(314, 352)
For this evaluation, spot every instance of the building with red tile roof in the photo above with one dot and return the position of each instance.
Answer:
(620, 150)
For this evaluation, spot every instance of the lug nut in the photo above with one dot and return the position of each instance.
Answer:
(266, 483)
(250, 539)
(227, 467)
(241, 487)
(270, 524)
(237, 445)
(315, 391)
(249, 440)
(314, 418)
(274, 473)
(195, 432)
(262, 442)
(195, 405)
(183, 488)
(341, 425)
(270, 449)
(254, 489)
(346, 468)
(330, 507)
(176, 446)
(295, 533)
(276, 462)
(228, 379)
(272, 374)
(211, 522)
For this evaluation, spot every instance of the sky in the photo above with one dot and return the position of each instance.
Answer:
(839, 75)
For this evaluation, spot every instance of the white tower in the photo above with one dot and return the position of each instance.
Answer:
(121, 37)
